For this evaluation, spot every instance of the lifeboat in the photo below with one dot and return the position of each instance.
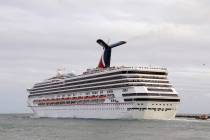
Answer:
(80, 98)
(102, 96)
(92, 97)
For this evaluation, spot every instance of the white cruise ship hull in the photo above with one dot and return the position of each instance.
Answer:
(108, 111)
(135, 98)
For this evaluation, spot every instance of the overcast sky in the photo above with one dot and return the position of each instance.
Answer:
(39, 36)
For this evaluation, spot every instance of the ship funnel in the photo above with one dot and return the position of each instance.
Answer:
(106, 56)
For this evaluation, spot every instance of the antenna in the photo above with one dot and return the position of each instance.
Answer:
(60, 71)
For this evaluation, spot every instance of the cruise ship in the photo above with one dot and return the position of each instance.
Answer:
(117, 92)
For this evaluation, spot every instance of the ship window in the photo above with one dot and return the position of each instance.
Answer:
(109, 91)
(162, 90)
(124, 90)
(94, 92)
(87, 93)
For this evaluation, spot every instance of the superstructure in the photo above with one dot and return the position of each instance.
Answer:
(106, 92)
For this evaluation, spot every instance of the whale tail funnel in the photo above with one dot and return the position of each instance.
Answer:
(107, 50)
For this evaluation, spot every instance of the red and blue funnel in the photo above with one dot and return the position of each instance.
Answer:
(106, 56)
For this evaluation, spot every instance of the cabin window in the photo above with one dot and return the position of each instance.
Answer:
(109, 91)
(94, 92)
(124, 90)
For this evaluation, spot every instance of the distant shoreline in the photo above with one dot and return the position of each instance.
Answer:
(190, 115)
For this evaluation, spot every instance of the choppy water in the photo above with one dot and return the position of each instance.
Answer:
(22, 127)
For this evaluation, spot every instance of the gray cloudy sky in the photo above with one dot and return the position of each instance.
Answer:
(39, 36)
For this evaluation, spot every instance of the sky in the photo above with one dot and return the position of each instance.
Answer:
(39, 36)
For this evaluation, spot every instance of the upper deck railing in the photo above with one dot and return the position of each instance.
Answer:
(96, 70)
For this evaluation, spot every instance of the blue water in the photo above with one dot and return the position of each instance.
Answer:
(22, 127)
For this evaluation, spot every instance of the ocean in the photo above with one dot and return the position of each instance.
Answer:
(23, 127)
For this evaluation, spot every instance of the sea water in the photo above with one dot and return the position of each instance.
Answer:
(23, 127)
